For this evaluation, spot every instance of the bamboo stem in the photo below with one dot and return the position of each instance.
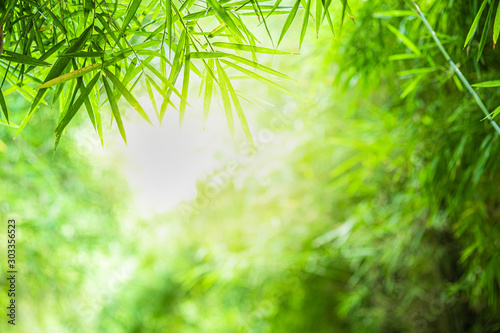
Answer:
(457, 71)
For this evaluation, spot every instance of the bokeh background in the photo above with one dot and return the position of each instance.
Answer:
(371, 206)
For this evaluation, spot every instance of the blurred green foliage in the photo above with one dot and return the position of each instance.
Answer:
(372, 208)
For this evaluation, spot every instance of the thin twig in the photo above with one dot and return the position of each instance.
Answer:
(455, 68)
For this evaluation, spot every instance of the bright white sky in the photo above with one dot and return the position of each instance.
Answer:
(163, 163)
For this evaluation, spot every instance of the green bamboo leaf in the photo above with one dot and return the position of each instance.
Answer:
(486, 29)
(169, 21)
(152, 97)
(8, 124)
(131, 10)
(256, 65)
(208, 55)
(487, 84)
(114, 109)
(217, 31)
(160, 91)
(249, 48)
(304, 23)
(198, 15)
(496, 27)
(83, 55)
(163, 79)
(319, 11)
(97, 113)
(57, 22)
(276, 5)
(289, 20)
(73, 109)
(117, 56)
(239, 109)
(69, 76)
(394, 13)
(475, 23)
(225, 98)
(261, 78)
(221, 12)
(48, 53)
(54, 72)
(128, 96)
(495, 112)
(259, 8)
(404, 39)
(4, 107)
(185, 84)
(22, 59)
(417, 71)
(209, 83)
(403, 56)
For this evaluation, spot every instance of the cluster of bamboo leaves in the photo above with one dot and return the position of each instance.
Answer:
(83, 54)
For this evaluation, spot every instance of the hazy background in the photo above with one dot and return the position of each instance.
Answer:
(372, 206)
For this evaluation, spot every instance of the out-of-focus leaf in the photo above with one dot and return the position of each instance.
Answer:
(394, 13)
(404, 39)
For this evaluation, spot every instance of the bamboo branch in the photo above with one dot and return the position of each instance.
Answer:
(457, 71)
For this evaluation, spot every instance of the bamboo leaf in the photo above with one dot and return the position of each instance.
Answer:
(131, 10)
(225, 98)
(114, 109)
(496, 27)
(54, 72)
(185, 84)
(304, 23)
(128, 96)
(249, 48)
(487, 84)
(4, 107)
(69, 76)
(209, 83)
(239, 109)
(475, 23)
(221, 12)
(217, 31)
(22, 59)
(73, 109)
(289, 20)
(260, 78)
(404, 39)
(486, 29)
(83, 55)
